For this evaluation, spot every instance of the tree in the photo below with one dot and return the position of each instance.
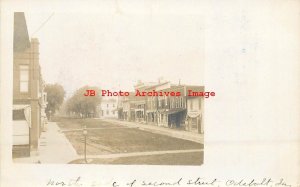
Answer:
(55, 97)
(81, 105)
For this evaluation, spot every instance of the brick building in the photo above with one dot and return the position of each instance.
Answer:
(140, 102)
(29, 99)
(172, 109)
(195, 110)
(152, 102)
(180, 112)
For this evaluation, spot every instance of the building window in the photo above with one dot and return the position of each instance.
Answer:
(114, 105)
(107, 112)
(159, 102)
(181, 102)
(173, 103)
(107, 105)
(166, 100)
(24, 78)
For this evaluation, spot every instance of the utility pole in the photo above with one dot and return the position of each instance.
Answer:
(85, 134)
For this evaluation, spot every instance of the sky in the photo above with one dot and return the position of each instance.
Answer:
(115, 48)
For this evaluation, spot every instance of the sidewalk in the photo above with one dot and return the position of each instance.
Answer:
(54, 148)
(191, 136)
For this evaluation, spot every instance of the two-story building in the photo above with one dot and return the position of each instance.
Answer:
(140, 102)
(128, 104)
(172, 109)
(184, 112)
(195, 110)
(152, 102)
(108, 108)
(29, 99)
(179, 111)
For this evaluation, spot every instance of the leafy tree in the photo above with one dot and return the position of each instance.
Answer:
(55, 97)
(82, 105)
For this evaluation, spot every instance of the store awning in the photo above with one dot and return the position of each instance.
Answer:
(162, 111)
(27, 112)
(193, 114)
(174, 111)
(20, 107)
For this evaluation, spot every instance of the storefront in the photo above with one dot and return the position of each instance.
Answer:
(139, 115)
(21, 130)
(194, 122)
(162, 118)
(176, 117)
(132, 115)
(151, 117)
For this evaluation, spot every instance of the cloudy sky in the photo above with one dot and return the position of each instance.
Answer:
(115, 48)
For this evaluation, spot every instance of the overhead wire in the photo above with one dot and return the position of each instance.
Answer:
(43, 24)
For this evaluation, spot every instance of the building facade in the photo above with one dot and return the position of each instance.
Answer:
(152, 113)
(179, 112)
(28, 85)
(120, 107)
(195, 110)
(108, 108)
(126, 107)
(140, 102)
(172, 109)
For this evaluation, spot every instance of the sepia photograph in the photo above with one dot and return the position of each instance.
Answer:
(148, 93)
(108, 89)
